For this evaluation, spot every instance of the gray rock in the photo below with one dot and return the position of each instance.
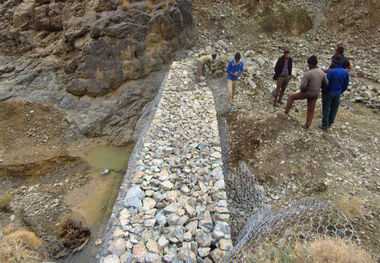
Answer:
(221, 230)
(153, 258)
(118, 247)
(134, 197)
(203, 239)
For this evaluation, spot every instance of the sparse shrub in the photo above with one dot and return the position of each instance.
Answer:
(73, 232)
(20, 246)
(5, 200)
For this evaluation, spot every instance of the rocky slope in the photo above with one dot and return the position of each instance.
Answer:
(73, 53)
(288, 161)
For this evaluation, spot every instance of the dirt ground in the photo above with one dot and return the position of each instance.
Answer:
(341, 165)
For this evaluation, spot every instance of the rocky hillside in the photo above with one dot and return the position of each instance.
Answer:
(261, 30)
(71, 52)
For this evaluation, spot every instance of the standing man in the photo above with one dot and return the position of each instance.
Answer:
(202, 62)
(311, 84)
(234, 69)
(338, 78)
(282, 74)
(339, 50)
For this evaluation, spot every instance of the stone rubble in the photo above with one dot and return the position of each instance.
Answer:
(175, 209)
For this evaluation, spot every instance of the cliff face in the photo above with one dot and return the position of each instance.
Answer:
(101, 44)
(73, 53)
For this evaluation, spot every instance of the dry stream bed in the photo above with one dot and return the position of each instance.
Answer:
(52, 175)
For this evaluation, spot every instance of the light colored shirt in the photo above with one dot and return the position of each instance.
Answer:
(205, 60)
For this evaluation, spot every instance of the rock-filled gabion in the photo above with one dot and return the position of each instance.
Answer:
(175, 209)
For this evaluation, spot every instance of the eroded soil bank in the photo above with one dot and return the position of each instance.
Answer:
(52, 173)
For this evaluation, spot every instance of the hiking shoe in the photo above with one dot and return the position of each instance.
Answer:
(325, 128)
(305, 127)
(276, 105)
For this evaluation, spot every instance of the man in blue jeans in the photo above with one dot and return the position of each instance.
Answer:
(338, 78)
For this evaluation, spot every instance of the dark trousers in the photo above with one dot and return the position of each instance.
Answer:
(330, 105)
(311, 100)
(282, 83)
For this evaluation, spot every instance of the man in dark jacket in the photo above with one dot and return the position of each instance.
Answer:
(282, 74)
(339, 53)
(310, 87)
(338, 78)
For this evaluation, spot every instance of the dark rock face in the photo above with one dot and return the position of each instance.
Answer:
(109, 42)
(91, 58)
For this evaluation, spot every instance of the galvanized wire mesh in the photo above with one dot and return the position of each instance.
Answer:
(304, 221)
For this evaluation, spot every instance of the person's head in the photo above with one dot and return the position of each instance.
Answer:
(237, 57)
(312, 61)
(339, 50)
(337, 61)
(287, 54)
(213, 56)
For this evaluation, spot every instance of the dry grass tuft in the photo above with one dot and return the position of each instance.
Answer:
(25, 237)
(126, 5)
(352, 208)
(337, 251)
(20, 246)
(318, 251)
(150, 4)
(5, 200)
(165, 7)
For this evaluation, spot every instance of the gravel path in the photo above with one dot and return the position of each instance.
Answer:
(175, 207)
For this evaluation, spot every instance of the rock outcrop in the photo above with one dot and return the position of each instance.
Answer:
(71, 52)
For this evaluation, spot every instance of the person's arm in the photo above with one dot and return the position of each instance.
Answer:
(229, 69)
(346, 82)
(328, 76)
(277, 67)
(241, 69)
(325, 82)
(209, 65)
(304, 83)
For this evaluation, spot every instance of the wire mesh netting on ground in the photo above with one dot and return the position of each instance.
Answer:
(305, 221)
(308, 219)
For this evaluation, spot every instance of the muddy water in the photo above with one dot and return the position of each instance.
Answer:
(95, 200)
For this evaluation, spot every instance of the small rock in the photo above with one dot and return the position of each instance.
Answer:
(140, 252)
(204, 251)
(153, 258)
(110, 259)
(162, 243)
(153, 246)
